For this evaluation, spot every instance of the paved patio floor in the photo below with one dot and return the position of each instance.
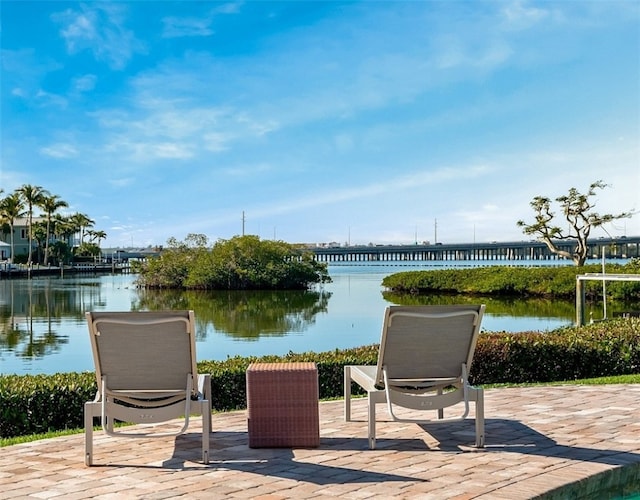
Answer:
(537, 439)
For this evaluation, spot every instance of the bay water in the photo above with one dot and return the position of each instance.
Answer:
(43, 328)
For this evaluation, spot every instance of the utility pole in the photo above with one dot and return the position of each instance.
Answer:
(435, 231)
(243, 219)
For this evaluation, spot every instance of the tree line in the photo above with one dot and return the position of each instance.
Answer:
(51, 234)
(47, 236)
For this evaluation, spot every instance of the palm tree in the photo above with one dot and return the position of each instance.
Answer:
(50, 205)
(11, 208)
(63, 229)
(98, 235)
(39, 230)
(32, 196)
(81, 221)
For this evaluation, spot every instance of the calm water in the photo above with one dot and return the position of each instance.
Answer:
(43, 330)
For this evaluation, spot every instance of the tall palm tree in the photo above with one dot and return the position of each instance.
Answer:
(81, 221)
(98, 235)
(32, 196)
(50, 205)
(11, 208)
(63, 228)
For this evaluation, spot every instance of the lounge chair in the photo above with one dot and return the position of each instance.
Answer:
(146, 373)
(423, 364)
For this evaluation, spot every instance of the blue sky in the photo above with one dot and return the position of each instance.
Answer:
(354, 122)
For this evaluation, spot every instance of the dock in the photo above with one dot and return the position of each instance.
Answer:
(9, 271)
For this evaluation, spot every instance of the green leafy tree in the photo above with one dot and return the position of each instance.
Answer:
(11, 208)
(97, 236)
(241, 263)
(32, 197)
(50, 205)
(60, 252)
(63, 227)
(81, 222)
(88, 250)
(39, 236)
(578, 210)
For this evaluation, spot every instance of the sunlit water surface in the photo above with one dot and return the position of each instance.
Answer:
(43, 329)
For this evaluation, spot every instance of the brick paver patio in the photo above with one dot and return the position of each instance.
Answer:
(537, 439)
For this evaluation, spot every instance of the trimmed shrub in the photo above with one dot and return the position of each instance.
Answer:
(601, 349)
(31, 404)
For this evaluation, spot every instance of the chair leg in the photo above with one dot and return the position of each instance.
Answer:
(206, 390)
(372, 421)
(88, 435)
(206, 430)
(347, 394)
(480, 418)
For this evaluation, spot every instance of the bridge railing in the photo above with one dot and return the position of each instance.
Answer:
(622, 248)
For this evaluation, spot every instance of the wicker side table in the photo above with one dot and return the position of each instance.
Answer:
(282, 405)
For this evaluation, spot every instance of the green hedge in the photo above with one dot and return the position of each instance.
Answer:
(32, 404)
(603, 349)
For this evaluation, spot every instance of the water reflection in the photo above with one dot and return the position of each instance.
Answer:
(42, 326)
(246, 315)
(40, 316)
(503, 306)
(30, 317)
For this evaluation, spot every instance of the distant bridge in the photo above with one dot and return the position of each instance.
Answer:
(613, 248)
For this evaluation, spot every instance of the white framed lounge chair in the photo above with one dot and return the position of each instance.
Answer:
(146, 373)
(423, 364)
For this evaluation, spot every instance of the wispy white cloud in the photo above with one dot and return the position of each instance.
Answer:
(46, 99)
(521, 14)
(216, 142)
(463, 52)
(155, 128)
(60, 150)
(247, 171)
(398, 185)
(99, 28)
(134, 152)
(228, 8)
(23, 71)
(19, 92)
(141, 139)
(191, 26)
(84, 83)
(121, 182)
(175, 27)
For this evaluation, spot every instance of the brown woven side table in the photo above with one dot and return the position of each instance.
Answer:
(282, 405)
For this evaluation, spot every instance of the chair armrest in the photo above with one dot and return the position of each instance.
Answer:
(204, 385)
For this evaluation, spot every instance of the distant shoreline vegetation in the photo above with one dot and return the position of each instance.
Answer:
(240, 263)
(552, 282)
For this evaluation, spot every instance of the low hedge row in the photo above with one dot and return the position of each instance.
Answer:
(33, 404)
(603, 349)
